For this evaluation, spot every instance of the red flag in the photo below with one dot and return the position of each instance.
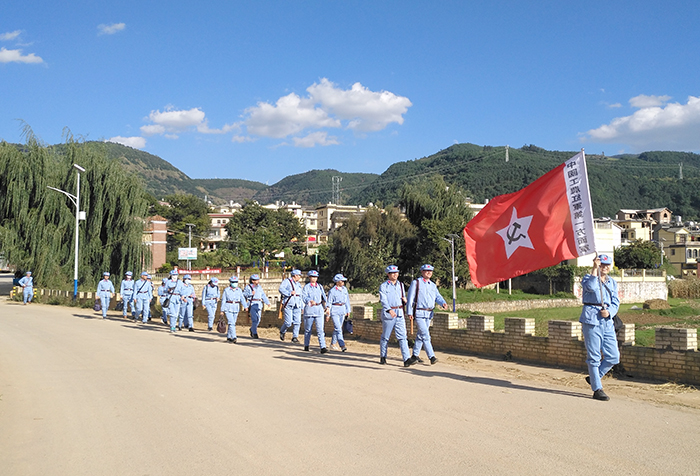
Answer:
(541, 225)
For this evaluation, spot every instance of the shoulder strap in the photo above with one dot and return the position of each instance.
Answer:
(415, 298)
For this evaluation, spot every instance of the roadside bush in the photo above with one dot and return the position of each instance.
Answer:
(688, 288)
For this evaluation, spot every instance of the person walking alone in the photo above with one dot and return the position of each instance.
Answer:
(600, 304)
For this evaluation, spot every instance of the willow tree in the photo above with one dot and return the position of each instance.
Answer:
(439, 212)
(362, 247)
(37, 225)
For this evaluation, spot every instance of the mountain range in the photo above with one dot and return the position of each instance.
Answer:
(647, 180)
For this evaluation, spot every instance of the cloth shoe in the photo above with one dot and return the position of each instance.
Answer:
(382, 360)
(433, 360)
(306, 348)
(600, 395)
(295, 340)
(324, 350)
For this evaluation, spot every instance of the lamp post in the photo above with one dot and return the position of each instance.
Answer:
(78, 216)
(451, 241)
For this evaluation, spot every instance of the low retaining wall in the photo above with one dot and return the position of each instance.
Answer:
(674, 358)
(519, 305)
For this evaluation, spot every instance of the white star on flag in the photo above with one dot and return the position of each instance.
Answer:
(515, 234)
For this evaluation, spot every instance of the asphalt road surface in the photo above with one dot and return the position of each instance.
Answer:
(80, 395)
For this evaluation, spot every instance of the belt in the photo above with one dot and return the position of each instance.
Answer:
(143, 292)
(233, 302)
(423, 309)
(396, 307)
(591, 304)
(211, 299)
(339, 304)
(256, 299)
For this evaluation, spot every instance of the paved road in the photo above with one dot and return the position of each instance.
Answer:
(84, 396)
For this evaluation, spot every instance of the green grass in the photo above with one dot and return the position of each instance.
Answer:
(683, 313)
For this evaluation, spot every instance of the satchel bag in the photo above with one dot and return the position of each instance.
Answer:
(97, 306)
(617, 322)
(120, 306)
(347, 326)
(195, 304)
(222, 325)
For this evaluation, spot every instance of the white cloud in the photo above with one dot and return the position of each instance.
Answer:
(241, 139)
(110, 29)
(319, 137)
(674, 126)
(16, 56)
(204, 128)
(614, 106)
(290, 115)
(152, 130)
(366, 110)
(643, 101)
(10, 35)
(326, 106)
(135, 142)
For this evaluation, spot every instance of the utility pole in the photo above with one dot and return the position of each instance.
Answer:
(451, 241)
(507, 147)
(189, 245)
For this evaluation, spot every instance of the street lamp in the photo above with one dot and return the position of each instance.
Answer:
(451, 241)
(78, 216)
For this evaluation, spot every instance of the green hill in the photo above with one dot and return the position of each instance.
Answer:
(647, 180)
(315, 187)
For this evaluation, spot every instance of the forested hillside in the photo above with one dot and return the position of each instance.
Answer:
(648, 180)
(315, 187)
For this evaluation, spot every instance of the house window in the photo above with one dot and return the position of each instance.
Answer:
(689, 254)
(673, 252)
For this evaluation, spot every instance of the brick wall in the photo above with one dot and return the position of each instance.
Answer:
(674, 358)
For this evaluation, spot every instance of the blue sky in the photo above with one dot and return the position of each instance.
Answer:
(262, 90)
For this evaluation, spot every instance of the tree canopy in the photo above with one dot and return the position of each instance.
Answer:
(37, 225)
(638, 255)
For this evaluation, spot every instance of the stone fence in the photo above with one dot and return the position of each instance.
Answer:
(673, 358)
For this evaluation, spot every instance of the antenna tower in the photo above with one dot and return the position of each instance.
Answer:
(336, 189)
(680, 171)
(507, 147)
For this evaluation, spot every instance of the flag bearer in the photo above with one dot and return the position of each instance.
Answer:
(126, 290)
(257, 298)
(291, 303)
(105, 291)
(232, 301)
(143, 296)
(27, 283)
(600, 304)
(423, 295)
(314, 298)
(339, 305)
(392, 296)
(210, 296)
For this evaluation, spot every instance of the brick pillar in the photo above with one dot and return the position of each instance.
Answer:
(671, 338)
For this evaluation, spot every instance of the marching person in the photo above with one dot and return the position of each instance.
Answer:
(210, 297)
(232, 301)
(291, 303)
(257, 298)
(162, 292)
(392, 297)
(423, 295)
(27, 283)
(187, 305)
(105, 291)
(339, 305)
(600, 303)
(173, 297)
(314, 298)
(142, 297)
(126, 290)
